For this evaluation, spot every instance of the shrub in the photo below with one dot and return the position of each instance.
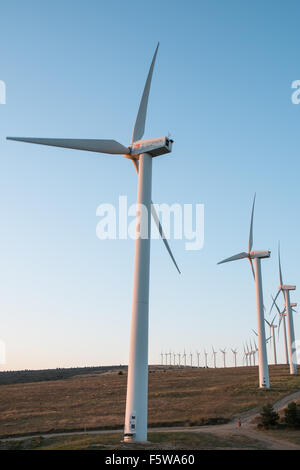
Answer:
(268, 417)
(292, 415)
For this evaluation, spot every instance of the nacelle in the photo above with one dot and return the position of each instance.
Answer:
(154, 147)
(260, 254)
(285, 287)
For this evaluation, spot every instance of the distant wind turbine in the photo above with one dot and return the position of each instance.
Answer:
(257, 256)
(272, 332)
(285, 289)
(235, 354)
(214, 356)
(223, 351)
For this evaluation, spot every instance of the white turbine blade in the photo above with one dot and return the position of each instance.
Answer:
(139, 127)
(235, 257)
(268, 323)
(158, 225)
(255, 332)
(90, 145)
(273, 319)
(279, 263)
(280, 320)
(274, 301)
(251, 264)
(251, 227)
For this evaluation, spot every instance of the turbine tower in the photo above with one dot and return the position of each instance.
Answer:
(198, 358)
(257, 256)
(215, 357)
(179, 355)
(140, 152)
(184, 355)
(205, 354)
(234, 353)
(285, 289)
(245, 356)
(191, 356)
(272, 332)
(223, 351)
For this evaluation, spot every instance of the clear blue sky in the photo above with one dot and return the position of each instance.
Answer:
(222, 88)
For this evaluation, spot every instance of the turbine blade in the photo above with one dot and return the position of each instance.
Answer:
(280, 320)
(158, 224)
(274, 301)
(235, 257)
(251, 227)
(91, 145)
(279, 263)
(139, 127)
(255, 332)
(251, 264)
(268, 323)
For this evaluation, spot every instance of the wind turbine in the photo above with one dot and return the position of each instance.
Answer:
(272, 332)
(162, 358)
(234, 353)
(245, 356)
(285, 289)
(198, 358)
(184, 355)
(191, 356)
(257, 256)
(179, 355)
(170, 357)
(174, 359)
(249, 354)
(223, 351)
(205, 354)
(215, 357)
(166, 355)
(140, 152)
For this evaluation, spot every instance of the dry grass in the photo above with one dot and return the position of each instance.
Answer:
(176, 396)
(158, 441)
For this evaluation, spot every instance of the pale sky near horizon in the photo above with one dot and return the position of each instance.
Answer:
(222, 88)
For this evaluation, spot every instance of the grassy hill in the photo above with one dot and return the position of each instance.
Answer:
(177, 396)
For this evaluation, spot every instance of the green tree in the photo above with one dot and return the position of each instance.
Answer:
(292, 415)
(268, 416)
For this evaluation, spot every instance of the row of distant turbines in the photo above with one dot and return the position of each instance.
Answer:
(184, 360)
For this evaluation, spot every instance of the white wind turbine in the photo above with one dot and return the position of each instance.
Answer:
(272, 332)
(162, 358)
(184, 355)
(191, 356)
(215, 357)
(166, 356)
(205, 355)
(282, 316)
(235, 354)
(252, 352)
(285, 289)
(179, 356)
(223, 351)
(198, 358)
(257, 256)
(249, 354)
(174, 359)
(245, 356)
(140, 152)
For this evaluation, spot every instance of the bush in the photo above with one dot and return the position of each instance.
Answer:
(268, 417)
(292, 415)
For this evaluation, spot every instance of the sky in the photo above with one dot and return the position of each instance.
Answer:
(222, 89)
